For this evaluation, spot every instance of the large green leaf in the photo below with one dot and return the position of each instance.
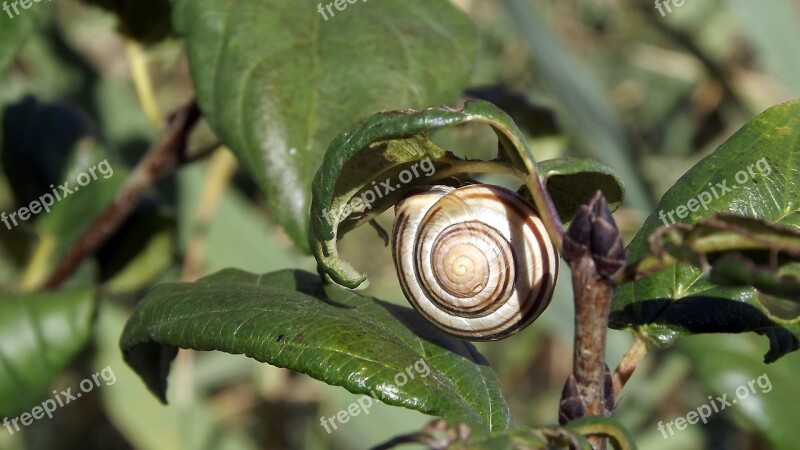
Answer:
(681, 299)
(290, 319)
(372, 163)
(39, 335)
(277, 80)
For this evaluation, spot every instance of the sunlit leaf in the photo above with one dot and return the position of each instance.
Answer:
(290, 319)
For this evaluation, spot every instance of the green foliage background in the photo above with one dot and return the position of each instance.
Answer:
(648, 95)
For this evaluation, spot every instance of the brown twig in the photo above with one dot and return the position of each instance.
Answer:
(590, 340)
(594, 250)
(162, 158)
(629, 362)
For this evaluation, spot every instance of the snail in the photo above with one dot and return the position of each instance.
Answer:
(475, 261)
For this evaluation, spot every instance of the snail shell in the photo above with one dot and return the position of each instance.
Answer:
(476, 261)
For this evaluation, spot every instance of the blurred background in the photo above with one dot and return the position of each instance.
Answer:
(649, 94)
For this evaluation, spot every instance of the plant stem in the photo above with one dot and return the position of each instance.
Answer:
(37, 267)
(594, 250)
(137, 58)
(629, 362)
(547, 210)
(592, 307)
(162, 158)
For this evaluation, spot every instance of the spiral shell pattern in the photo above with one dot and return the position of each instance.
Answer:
(475, 261)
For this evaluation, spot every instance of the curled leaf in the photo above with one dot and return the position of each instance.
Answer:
(370, 165)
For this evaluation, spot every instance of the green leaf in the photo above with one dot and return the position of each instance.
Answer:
(505, 440)
(732, 270)
(681, 299)
(371, 173)
(290, 319)
(571, 182)
(619, 437)
(371, 164)
(740, 251)
(277, 81)
(544, 437)
(725, 232)
(13, 34)
(39, 335)
(536, 120)
(377, 148)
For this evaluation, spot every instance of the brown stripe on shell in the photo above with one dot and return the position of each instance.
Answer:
(492, 303)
